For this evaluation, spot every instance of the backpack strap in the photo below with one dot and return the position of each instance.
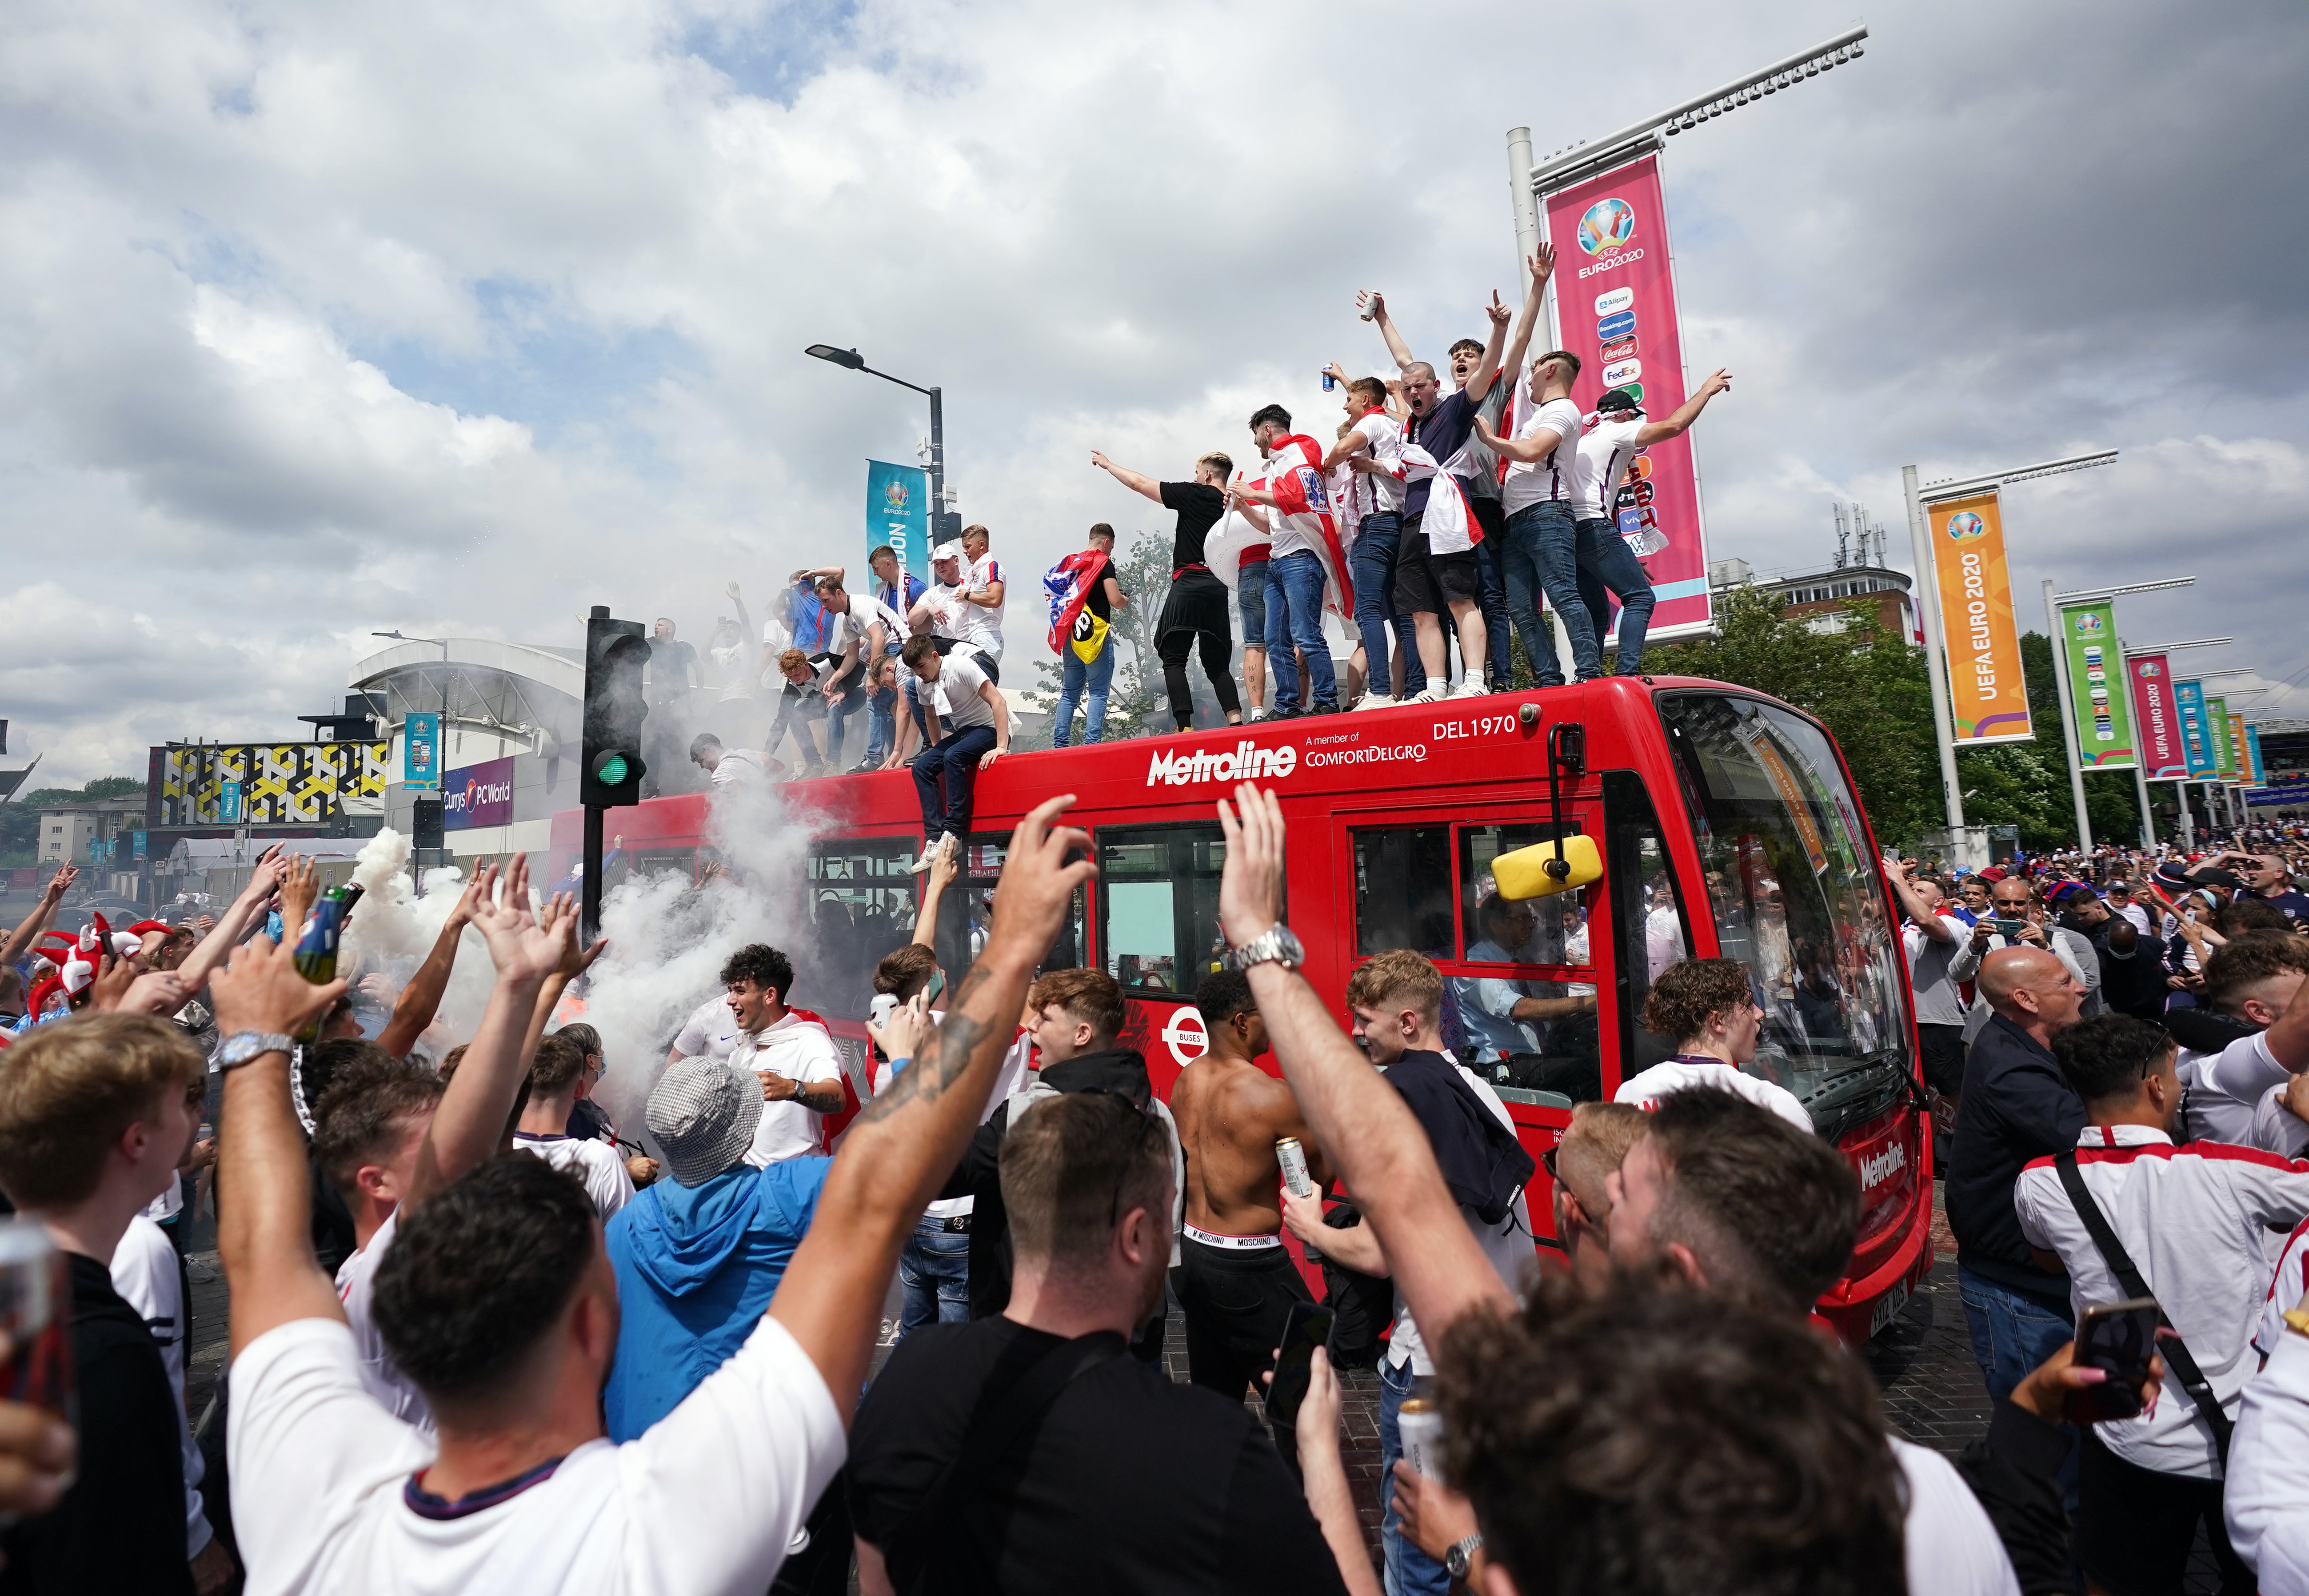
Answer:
(2173, 1350)
(1003, 1418)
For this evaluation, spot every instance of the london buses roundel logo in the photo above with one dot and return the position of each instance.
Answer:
(1183, 1032)
(1965, 524)
(1608, 224)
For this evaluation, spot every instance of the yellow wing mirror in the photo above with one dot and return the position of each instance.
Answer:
(1530, 872)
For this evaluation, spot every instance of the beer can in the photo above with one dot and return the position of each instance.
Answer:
(34, 1311)
(1294, 1159)
(1418, 1422)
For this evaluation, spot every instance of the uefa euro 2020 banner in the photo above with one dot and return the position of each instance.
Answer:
(2196, 734)
(1615, 301)
(1987, 693)
(2097, 699)
(2157, 719)
(898, 513)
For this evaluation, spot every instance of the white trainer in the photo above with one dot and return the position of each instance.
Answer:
(930, 850)
(1376, 701)
(1255, 716)
(1470, 687)
(1425, 695)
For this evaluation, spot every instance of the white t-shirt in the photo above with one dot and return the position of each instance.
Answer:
(981, 626)
(144, 1273)
(380, 1377)
(1301, 533)
(956, 697)
(1953, 1548)
(1604, 453)
(711, 1034)
(1680, 1074)
(1507, 1245)
(739, 764)
(734, 662)
(1553, 477)
(1374, 493)
(595, 1163)
(2224, 1088)
(800, 1050)
(704, 1502)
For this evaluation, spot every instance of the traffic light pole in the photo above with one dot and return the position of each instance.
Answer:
(589, 887)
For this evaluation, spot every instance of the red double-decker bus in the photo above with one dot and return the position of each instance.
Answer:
(1725, 824)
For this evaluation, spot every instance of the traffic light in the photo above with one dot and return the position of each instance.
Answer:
(425, 825)
(615, 653)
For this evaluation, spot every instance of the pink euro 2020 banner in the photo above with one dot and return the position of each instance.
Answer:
(1615, 301)
(2163, 757)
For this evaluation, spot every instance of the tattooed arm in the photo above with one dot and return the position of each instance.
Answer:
(900, 1148)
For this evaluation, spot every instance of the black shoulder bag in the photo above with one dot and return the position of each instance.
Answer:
(1019, 1408)
(2171, 1348)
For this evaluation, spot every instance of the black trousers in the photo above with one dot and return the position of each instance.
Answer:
(1216, 647)
(1942, 1047)
(1236, 1301)
(2135, 1526)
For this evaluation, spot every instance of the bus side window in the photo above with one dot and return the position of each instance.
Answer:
(1159, 906)
(861, 904)
(1402, 890)
(1559, 929)
(1650, 928)
(966, 913)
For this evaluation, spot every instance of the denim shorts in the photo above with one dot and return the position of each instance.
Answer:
(1250, 604)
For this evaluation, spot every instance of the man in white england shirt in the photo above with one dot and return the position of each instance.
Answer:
(1372, 449)
(983, 591)
(1539, 550)
(500, 1299)
(557, 1080)
(1605, 560)
(792, 1055)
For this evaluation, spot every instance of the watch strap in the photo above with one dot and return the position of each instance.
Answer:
(1462, 1555)
(243, 1046)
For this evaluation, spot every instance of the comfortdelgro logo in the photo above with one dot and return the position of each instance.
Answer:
(1965, 524)
(1245, 761)
(1607, 225)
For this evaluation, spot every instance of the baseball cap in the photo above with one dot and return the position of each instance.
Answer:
(1992, 873)
(698, 1111)
(2070, 892)
(1618, 398)
(948, 551)
(2120, 889)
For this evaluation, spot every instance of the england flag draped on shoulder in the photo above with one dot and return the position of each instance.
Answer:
(1296, 481)
(1451, 527)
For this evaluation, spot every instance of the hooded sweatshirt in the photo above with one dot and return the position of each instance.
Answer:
(696, 1268)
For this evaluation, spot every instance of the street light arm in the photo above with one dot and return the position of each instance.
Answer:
(886, 377)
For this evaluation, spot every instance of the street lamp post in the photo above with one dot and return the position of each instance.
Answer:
(442, 746)
(851, 361)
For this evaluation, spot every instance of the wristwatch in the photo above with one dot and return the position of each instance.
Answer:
(1462, 1554)
(243, 1046)
(1275, 945)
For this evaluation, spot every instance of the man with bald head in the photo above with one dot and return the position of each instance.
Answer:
(2017, 1107)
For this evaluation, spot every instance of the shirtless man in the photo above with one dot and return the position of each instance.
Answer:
(1235, 1282)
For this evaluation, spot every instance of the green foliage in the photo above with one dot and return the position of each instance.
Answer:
(1135, 704)
(20, 816)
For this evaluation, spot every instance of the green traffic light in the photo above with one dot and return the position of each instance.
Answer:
(612, 772)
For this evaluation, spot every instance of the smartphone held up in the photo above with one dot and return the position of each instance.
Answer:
(2118, 1339)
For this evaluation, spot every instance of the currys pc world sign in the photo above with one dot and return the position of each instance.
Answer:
(477, 795)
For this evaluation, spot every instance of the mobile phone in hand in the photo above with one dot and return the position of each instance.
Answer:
(2120, 1338)
(2008, 929)
(1306, 1327)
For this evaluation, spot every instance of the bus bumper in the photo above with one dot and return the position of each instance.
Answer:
(1858, 1309)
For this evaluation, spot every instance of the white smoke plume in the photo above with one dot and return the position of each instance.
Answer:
(396, 926)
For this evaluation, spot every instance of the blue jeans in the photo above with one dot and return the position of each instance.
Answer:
(1605, 561)
(1540, 552)
(2011, 1335)
(1073, 676)
(881, 724)
(1410, 1572)
(934, 1268)
(1250, 604)
(1371, 565)
(1492, 597)
(1294, 618)
(837, 719)
(945, 773)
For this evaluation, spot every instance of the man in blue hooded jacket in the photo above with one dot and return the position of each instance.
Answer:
(699, 1256)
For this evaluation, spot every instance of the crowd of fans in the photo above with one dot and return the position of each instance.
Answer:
(481, 1342)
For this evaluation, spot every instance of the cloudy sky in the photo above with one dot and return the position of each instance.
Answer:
(317, 319)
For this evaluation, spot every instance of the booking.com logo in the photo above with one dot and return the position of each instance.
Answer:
(1965, 524)
(1608, 224)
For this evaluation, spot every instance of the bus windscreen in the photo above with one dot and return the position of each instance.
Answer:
(1791, 887)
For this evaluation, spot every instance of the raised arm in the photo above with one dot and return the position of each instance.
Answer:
(745, 621)
(420, 1000)
(575, 961)
(1934, 926)
(1480, 385)
(1543, 267)
(1364, 1127)
(899, 1149)
(944, 869)
(1686, 413)
(1386, 325)
(1137, 481)
(265, 1232)
(43, 912)
(472, 1119)
(211, 953)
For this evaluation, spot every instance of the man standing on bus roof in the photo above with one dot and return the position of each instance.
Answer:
(982, 591)
(1306, 565)
(1195, 614)
(966, 727)
(1235, 1281)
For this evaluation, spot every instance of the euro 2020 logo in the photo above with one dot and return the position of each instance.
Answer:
(2091, 623)
(1965, 524)
(894, 496)
(1608, 224)
(2150, 668)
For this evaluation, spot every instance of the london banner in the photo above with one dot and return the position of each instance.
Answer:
(1987, 693)
(1616, 303)
(2098, 701)
(898, 513)
(2196, 731)
(2156, 720)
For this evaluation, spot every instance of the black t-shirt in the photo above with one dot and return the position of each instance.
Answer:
(1130, 1483)
(121, 1526)
(1199, 506)
(1440, 432)
(669, 663)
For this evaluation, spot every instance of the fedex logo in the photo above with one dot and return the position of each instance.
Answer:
(1624, 371)
(1245, 761)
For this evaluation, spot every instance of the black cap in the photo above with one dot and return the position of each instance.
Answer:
(1618, 399)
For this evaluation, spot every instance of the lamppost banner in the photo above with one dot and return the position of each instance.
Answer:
(1616, 298)
(2237, 770)
(1987, 695)
(898, 513)
(420, 748)
(2217, 722)
(2196, 730)
(2258, 771)
(2097, 700)
(2156, 720)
